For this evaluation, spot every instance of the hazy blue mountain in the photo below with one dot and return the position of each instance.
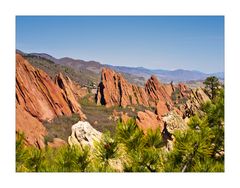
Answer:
(178, 75)
(139, 74)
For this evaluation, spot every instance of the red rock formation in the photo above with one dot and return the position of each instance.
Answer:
(168, 124)
(184, 90)
(39, 99)
(37, 93)
(162, 108)
(78, 91)
(115, 90)
(196, 98)
(200, 95)
(189, 100)
(157, 91)
(169, 88)
(141, 96)
(31, 127)
(149, 120)
(67, 88)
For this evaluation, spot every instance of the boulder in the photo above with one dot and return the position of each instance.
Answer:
(83, 134)
(173, 122)
(148, 120)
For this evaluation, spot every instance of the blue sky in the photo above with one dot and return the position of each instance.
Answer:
(154, 42)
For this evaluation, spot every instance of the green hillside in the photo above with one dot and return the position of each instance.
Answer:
(83, 77)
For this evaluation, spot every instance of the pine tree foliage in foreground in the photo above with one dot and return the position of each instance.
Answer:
(201, 147)
(198, 149)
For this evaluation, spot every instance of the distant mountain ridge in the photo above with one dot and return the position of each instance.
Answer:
(178, 75)
(139, 74)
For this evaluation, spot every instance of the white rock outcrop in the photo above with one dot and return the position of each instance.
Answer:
(83, 134)
(174, 122)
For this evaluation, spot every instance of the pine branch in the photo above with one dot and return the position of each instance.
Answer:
(189, 162)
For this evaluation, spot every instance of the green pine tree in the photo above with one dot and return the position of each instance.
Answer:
(201, 147)
(212, 86)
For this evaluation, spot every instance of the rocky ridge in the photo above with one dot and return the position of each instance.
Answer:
(114, 90)
(39, 99)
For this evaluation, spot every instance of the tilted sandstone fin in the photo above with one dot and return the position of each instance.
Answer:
(31, 127)
(158, 91)
(38, 99)
(114, 90)
(69, 95)
(78, 91)
(37, 93)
